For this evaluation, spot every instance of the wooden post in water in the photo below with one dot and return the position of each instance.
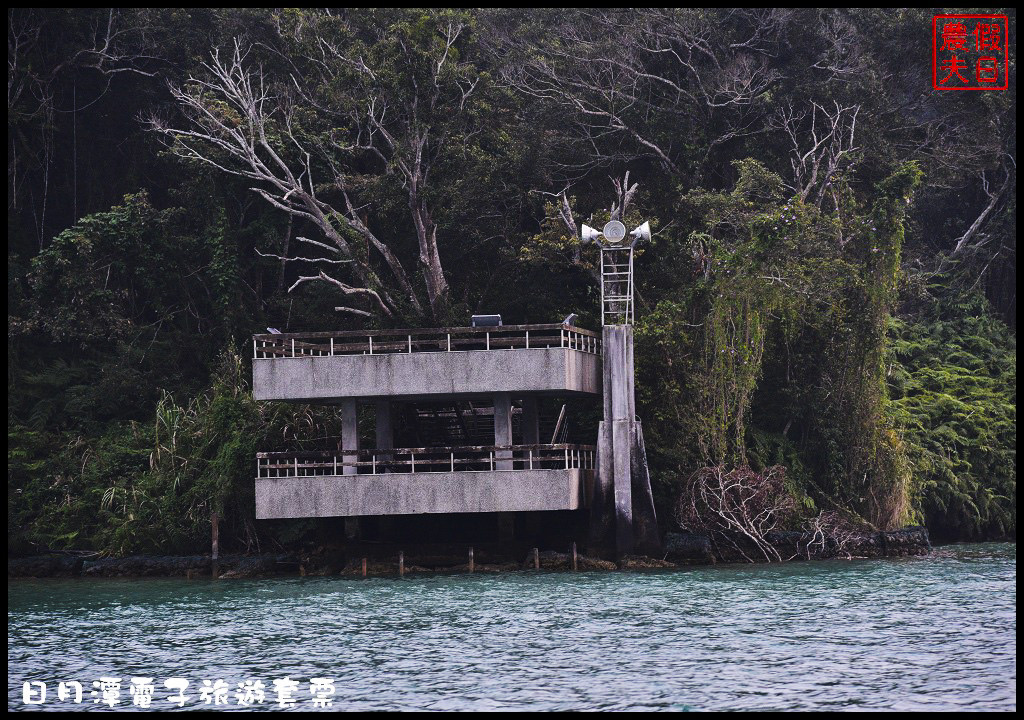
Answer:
(364, 567)
(572, 552)
(215, 543)
(536, 559)
(471, 564)
(401, 564)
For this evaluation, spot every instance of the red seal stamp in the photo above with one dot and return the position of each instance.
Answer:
(970, 52)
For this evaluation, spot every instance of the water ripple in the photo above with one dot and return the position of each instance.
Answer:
(936, 633)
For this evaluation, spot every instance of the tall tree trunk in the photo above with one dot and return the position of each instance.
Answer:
(430, 259)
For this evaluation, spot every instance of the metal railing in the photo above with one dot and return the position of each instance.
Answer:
(381, 342)
(425, 460)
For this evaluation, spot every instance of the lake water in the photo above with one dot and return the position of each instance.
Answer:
(935, 633)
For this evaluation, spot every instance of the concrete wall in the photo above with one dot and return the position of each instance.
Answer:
(426, 375)
(414, 493)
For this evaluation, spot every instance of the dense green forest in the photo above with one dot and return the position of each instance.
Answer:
(831, 284)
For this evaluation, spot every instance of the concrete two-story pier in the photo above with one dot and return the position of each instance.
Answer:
(473, 394)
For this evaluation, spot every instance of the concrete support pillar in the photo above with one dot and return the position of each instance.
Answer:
(385, 429)
(617, 365)
(349, 434)
(622, 479)
(503, 459)
(350, 442)
(530, 421)
(503, 430)
(645, 520)
(622, 513)
(612, 514)
(602, 502)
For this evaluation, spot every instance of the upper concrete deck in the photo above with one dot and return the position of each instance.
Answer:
(425, 364)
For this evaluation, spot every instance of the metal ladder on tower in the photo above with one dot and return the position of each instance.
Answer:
(617, 286)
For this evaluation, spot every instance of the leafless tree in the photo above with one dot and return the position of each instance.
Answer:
(624, 194)
(116, 42)
(246, 124)
(232, 116)
(974, 238)
(843, 57)
(822, 143)
(615, 71)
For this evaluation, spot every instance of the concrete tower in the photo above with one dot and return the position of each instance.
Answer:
(622, 514)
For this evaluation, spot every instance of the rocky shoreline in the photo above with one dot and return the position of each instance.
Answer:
(680, 550)
(700, 549)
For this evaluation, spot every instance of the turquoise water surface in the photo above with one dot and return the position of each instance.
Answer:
(934, 633)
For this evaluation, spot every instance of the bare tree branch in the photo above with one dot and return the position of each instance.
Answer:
(821, 147)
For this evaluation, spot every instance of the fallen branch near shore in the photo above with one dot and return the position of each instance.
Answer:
(737, 508)
(829, 535)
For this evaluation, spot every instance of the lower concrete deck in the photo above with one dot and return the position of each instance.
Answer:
(471, 491)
